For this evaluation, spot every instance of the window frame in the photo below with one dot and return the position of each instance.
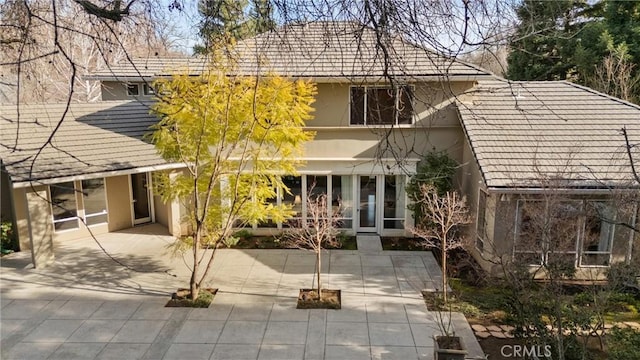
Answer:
(366, 88)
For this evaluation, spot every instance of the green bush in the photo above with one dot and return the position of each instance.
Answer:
(243, 234)
(437, 169)
(6, 237)
(624, 344)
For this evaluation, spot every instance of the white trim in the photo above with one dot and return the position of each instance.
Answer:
(103, 174)
(152, 204)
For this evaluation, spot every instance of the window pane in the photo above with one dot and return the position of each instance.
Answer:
(316, 185)
(380, 106)
(405, 106)
(394, 205)
(133, 90)
(148, 89)
(342, 198)
(357, 106)
(96, 219)
(599, 226)
(294, 196)
(63, 201)
(528, 245)
(94, 200)
(564, 221)
(66, 225)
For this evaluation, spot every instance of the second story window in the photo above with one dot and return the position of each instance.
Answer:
(133, 89)
(381, 105)
(148, 90)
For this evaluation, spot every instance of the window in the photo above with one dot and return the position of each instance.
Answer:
(95, 205)
(481, 222)
(63, 206)
(148, 90)
(578, 232)
(379, 105)
(293, 197)
(342, 198)
(528, 245)
(394, 202)
(133, 90)
(599, 230)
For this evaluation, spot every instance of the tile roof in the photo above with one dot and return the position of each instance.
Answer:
(93, 138)
(522, 132)
(342, 50)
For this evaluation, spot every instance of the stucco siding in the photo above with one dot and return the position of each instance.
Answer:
(22, 218)
(118, 202)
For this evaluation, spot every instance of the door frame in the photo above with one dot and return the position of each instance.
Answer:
(376, 227)
(150, 204)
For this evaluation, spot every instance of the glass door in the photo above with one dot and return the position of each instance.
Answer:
(140, 198)
(367, 208)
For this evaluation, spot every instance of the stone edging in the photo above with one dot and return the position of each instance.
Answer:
(505, 331)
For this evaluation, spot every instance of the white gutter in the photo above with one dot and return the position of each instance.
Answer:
(144, 169)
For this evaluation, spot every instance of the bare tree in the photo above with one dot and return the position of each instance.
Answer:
(615, 75)
(317, 231)
(441, 224)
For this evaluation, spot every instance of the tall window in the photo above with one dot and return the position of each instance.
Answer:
(63, 206)
(379, 105)
(342, 198)
(394, 202)
(294, 196)
(95, 205)
(599, 230)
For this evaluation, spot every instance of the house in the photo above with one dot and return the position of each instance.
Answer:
(381, 104)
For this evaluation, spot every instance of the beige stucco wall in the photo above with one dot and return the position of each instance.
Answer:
(162, 211)
(119, 202)
(40, 225)
(22, 218)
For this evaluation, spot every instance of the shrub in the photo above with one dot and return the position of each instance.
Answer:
(621, 275)
(624, 344)
(6, 237)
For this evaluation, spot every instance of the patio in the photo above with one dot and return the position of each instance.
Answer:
(89, 306)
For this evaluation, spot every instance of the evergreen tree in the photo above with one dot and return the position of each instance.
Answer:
(550, 35)
(226, 21)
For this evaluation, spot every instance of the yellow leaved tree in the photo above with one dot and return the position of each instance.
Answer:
(236, 135)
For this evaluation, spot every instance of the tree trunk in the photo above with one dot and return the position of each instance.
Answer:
(444, 274)
(318, 265)
(193, 282)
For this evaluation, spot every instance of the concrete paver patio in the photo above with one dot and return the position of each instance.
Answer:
(88, 306)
